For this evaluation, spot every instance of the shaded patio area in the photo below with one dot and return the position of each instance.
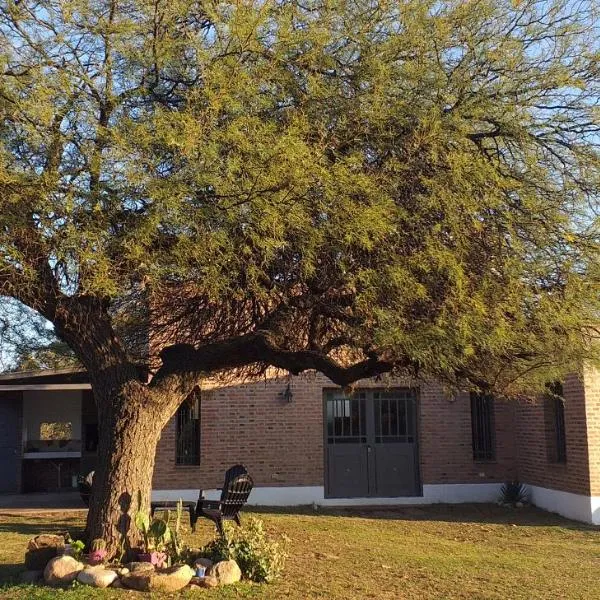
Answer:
(14, 504)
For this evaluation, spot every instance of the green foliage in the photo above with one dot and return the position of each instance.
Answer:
(411, 180)
(159, 536)
(260, 559)
(27, 341)
(77, 548)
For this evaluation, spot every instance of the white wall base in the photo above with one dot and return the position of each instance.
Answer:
(573, 506)
(302, 495)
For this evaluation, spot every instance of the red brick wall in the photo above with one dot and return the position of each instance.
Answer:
(592, 413)
(445, 440)
(281, 443)
(534, 466)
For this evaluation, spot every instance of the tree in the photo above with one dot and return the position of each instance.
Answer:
(353, 187)
(27, 341)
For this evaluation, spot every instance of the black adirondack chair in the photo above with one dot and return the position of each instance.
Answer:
(84, 484)
(234, 494)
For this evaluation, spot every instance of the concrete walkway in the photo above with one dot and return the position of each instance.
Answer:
(40, 503)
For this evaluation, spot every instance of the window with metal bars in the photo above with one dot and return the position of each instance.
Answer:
(482, 427)
(188, 431)
(554, 417)
(394, 417)
(346, 421)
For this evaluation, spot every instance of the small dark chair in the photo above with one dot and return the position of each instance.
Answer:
(84, 484)
(234, 494)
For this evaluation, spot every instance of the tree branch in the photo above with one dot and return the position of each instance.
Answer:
(182, 361)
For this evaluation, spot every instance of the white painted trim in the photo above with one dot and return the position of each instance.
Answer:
(302, 495)
(66, 454)
(40, 373)
(573, 506)
(44, 386)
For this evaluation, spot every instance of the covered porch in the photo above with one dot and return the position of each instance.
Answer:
(49, 432)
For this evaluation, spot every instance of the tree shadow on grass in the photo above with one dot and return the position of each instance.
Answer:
(73, 526)
(9, 573)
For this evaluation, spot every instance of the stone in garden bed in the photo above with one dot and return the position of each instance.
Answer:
(167, 580)
(204, 582)
(139, 567)
(41, 549)
(62, 570)
(97, 576)
(225, 572)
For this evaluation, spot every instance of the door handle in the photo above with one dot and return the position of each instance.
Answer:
(369, 449)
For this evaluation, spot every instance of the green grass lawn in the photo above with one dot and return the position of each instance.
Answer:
(475, 551)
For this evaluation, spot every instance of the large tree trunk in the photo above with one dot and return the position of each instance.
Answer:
(130, 424)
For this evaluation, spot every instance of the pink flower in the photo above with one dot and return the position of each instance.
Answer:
(96, 557)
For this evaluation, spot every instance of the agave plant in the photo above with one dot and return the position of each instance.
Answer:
(513, 493)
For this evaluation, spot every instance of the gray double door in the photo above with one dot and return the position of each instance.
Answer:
(371, 443)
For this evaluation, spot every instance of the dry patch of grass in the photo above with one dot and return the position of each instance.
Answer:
(449, 552)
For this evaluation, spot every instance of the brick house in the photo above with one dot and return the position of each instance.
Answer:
(305, 441)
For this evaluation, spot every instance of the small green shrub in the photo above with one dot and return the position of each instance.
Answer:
(259, 558)
(513, 492)
(77, 548)
(218, 549)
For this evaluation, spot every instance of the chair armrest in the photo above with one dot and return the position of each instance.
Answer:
(208, 505)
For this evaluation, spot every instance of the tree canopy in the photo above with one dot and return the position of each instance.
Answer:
(356, 186)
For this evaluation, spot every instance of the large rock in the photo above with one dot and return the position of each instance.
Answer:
(225, 572)
(163, 580)
(41, 549)
(62, 570)
(97, 576)
(205, 582)
(140, 567)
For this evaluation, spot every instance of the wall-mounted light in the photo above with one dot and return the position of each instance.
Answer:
(452, 396)
(287, 394)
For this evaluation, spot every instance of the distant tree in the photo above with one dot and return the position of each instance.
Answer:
(56, 355)
(361, 187)
(27, 341)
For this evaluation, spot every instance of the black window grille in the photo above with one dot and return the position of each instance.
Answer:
(188, 431)
(482, 427)
(346, 422)
(555, 424)
(394, 417)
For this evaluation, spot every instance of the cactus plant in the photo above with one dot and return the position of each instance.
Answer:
(97, 544)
